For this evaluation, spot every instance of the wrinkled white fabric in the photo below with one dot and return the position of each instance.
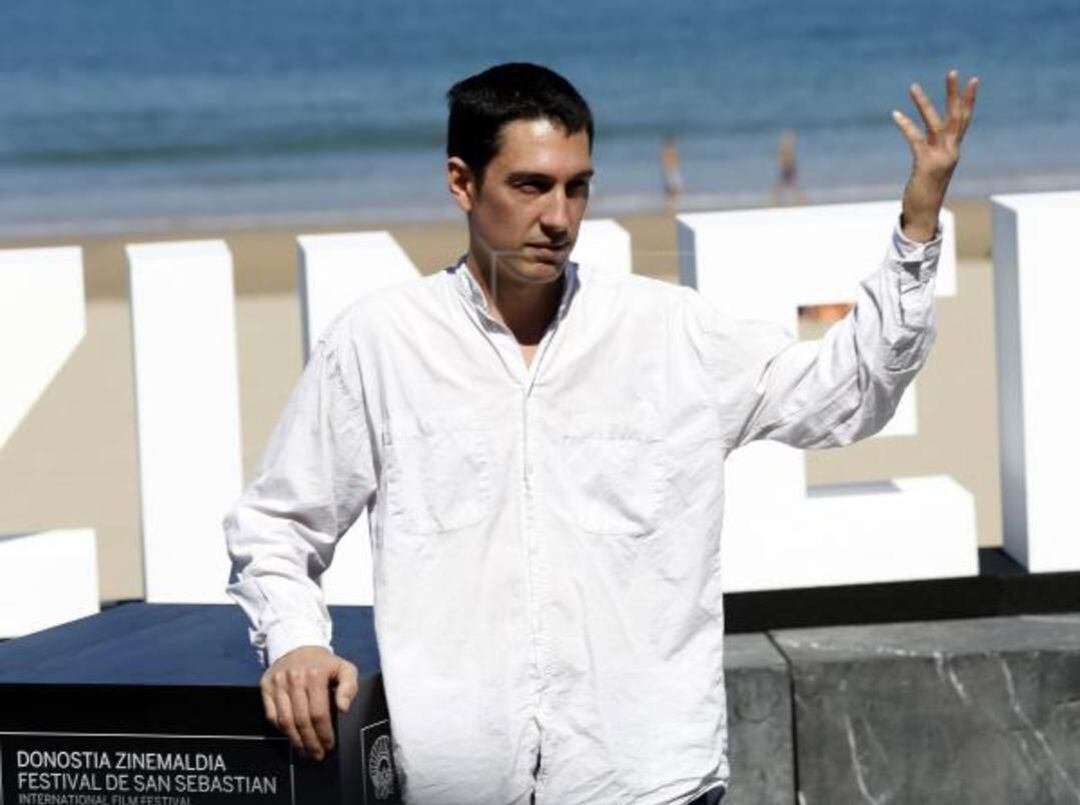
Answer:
(546, 538)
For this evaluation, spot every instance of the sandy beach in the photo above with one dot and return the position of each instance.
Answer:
(73, 461)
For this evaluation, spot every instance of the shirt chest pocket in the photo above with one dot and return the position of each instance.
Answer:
(614, 474)
(438, 474)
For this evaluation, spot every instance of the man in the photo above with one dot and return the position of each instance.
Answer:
(672, 172)
(540, 450)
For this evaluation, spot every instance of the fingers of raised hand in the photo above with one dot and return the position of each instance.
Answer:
(926, 110)
(952, 97)
(966, 104)
(970, 89)
(959, 105)
(907, 128)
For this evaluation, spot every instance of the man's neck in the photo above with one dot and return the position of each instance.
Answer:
(525, 308)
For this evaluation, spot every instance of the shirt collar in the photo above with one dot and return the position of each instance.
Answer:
(469, 289)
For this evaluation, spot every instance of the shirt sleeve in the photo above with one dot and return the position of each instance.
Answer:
(847, 385)
(315, 478)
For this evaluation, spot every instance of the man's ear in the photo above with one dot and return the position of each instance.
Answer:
(461, 183)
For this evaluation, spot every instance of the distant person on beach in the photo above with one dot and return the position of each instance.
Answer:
(786, 190)
(672, 172)
(539, 448)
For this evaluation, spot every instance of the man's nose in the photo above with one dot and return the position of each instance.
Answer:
(556, 216)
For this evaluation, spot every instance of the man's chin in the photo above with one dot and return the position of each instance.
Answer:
(534, 271)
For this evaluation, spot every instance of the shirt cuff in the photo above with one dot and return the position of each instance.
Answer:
(284, 636)
(913, 260)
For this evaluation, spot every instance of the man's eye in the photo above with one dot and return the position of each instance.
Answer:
(578, 188)
(531, 187)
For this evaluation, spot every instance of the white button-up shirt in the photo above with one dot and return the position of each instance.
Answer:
(546, 537)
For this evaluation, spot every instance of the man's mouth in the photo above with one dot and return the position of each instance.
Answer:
(547, 252)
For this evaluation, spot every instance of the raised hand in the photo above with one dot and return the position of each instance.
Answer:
(935, 153)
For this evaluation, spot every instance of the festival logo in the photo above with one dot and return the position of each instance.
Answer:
(380, 783)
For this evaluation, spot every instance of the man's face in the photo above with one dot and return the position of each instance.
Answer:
(526, 213)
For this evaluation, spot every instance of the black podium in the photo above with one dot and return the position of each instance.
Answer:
(158, 704)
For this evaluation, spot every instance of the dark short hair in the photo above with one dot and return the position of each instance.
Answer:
(482, 104)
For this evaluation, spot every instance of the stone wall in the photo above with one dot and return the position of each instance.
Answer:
(979, 711)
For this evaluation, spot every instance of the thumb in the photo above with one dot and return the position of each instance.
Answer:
(347, 684)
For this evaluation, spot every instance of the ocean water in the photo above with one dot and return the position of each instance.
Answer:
(122, 113)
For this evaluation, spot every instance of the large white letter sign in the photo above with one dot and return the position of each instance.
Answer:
(47, 579)
(188, 414)
(1036, 288)
(603, 245)
(336, 270)
(42, 320)
(764, 264)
